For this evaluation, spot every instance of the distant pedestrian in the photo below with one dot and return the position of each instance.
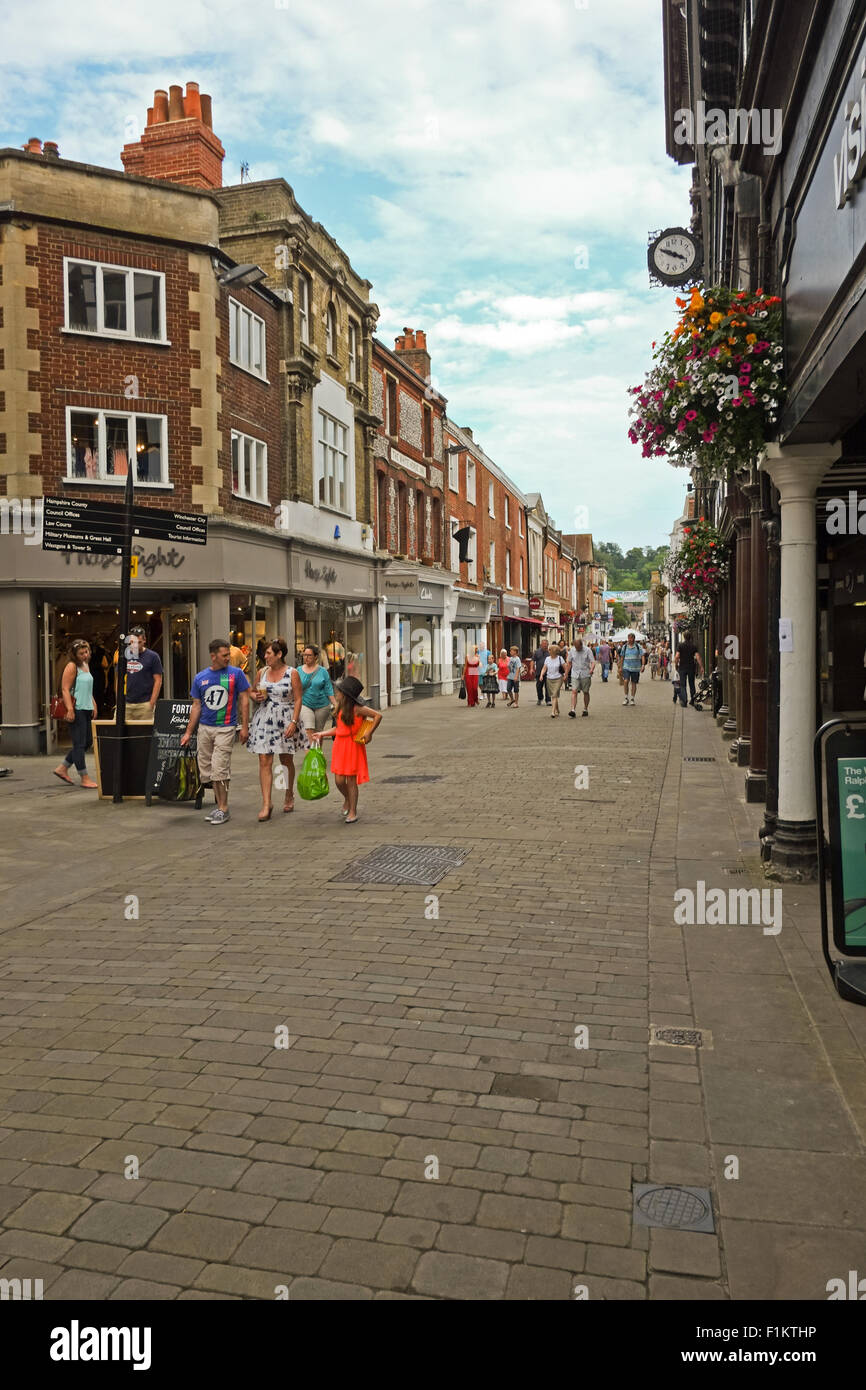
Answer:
(220, 693)
(514, 669)
(502, 672)
(554, 671)
(276, 725)
(318, 701)
(76, 688)
(539, 656)
(490, 682)
(351, 735)
(633, 664)
(675, 681)
(471, 673)
(604, 659)
(688, 660)
(581, 665)
(654, 661)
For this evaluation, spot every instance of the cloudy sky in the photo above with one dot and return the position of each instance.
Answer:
(492, 167)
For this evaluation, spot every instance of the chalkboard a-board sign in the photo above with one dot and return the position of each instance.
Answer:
(136, 755)
(171, 772)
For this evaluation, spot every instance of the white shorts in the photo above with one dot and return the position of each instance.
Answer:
(503, 687)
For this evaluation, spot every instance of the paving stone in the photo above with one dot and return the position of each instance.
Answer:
(280, 1180)
(160, 1269)
(685, 1252)
(239, 1206)
(117, 1224)
(520, 1214)
(460, 1276)
(601, 1225)
(81, 1285)
(535, 1282)
(370, 1263)
(285, 1251)
(436, 1203)
(616, 1261)
(208, 1238)
(327, 1290)
(241, 1282)
(556, 1254)
(142, 1290)
(357, 1190)
(407, 1230)
(669, 1289)
(86, 1254)
(482, 1241)
(47, 1177)
(342, 1221)
(33, 1245)
(204, 1170)
(52, 1212)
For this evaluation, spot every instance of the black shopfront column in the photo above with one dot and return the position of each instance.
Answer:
(768, 829)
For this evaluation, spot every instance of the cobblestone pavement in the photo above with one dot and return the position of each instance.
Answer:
(418, 1040)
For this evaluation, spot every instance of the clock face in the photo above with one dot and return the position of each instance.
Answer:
(674, 255)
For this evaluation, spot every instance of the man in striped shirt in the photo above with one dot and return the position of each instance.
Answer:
(219, 694)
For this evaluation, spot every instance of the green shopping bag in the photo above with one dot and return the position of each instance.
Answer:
(313, 776)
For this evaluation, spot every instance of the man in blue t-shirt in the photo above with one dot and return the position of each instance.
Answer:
(633, 663)
(219, 694)
(143, 677)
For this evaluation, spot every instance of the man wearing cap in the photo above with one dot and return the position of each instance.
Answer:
(143, 677)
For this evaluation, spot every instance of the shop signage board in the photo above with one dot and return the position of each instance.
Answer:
(168, 765)
(93, 527)
(400, 585)
(840, 774)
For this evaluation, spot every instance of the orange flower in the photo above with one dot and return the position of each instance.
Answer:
(716, 318)
(750, 338)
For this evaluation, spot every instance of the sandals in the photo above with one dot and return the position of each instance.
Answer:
(63, 777)
(286, 807)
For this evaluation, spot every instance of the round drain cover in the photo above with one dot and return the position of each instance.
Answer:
(671, 1206)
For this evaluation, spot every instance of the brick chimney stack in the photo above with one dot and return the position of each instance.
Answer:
(412, 345)
(178, 143)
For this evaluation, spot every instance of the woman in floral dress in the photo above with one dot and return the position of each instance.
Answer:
(276, 723)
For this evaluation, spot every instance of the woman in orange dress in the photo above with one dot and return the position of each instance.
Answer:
(349, 758)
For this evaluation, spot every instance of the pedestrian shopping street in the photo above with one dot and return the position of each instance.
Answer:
(420, 1043)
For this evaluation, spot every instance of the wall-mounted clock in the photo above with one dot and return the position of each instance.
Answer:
(675, 257)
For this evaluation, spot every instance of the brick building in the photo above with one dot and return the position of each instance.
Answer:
(487, 525)
(410, 525)
(116, 352)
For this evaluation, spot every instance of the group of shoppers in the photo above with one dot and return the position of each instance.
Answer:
(292, 709)
(556, 666)
(292, 705)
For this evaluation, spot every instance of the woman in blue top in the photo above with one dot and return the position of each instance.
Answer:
(319, 700)
(76, 687)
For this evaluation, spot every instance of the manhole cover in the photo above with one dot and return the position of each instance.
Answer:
(414, 777)
(732, 871)
(699, 760)
(678, 1037)
(403, 864)
(675, 1208)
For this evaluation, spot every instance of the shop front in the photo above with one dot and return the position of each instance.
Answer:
(469, 620)
(520, 627)
(417, 646)
(335, 609)
(183, 596)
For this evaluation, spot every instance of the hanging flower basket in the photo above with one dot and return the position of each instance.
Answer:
(698, 569)
(713, 398)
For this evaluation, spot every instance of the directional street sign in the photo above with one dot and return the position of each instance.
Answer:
(84, 527)
(96, 528)
(157, 524)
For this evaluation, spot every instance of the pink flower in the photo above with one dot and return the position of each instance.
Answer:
(691, 415)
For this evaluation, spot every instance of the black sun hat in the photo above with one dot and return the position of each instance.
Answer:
(351, 686)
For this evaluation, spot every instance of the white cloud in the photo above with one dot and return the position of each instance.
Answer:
(462, 154)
